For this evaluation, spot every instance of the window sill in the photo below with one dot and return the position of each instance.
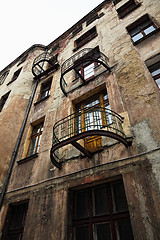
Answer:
(41, 100)
(27, 159)
(147, 36)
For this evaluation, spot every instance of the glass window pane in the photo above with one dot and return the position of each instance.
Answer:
(156, 72)
(81, 204)
(124, 230)
(134, 31)
(36, 129)
(89, 71)
(82, 233)
(97, 119)
(137, 37)
(149, 30)
(33, 146)
(39, 141)
(120, 202)
(100, 201)
(102, 231)
(145, 23)
(158, 82)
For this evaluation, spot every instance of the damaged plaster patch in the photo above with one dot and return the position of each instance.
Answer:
(144, 136)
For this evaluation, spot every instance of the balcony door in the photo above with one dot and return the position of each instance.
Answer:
(92, 115)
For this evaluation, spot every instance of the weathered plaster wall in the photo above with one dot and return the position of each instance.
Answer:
(133, 94)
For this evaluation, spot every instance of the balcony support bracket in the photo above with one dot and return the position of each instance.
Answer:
(82, 149)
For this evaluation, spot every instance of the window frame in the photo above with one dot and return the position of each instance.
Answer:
(93, 143)
(127, 8)
(33, 137)
(9, 230)
(3, 100)
(80, 65)
(154, 67)
(111, 216)
(45, 89)
(140, 29)
(41, 98)
(85, 38)
(15, 75)
(4, 76)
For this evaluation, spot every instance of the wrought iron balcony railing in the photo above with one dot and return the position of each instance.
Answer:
(43, 64)
(83, 56)
(85, 123)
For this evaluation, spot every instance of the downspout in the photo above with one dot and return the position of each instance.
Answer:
(14, 154)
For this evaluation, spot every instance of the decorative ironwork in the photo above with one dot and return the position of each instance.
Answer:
(44, 63)
(86, 54)
(87, 122)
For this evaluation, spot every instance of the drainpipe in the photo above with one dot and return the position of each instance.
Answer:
(14, 154)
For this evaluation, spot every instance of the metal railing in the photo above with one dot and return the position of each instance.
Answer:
(86, 54)
(38, 63)
(69, 63)
(96, 118)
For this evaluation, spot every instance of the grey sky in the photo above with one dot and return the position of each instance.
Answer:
(24, 23)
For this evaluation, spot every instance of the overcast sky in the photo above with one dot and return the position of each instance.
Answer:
(28, 22)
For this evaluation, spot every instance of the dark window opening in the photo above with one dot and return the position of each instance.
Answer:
(23, 59)
(92, 18)
(101, 213)
(45, 89)
(55, 47)
(3, 100)
(141, 29)
(3, 77)
(16, 74)
(155, 72)
(76, 30)
(116, 1)
(15, 221)
(127, 8)
(85, 38)
(35, 139)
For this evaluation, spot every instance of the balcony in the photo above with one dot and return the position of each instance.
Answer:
(84, 124)
(93, 63)
(43, 64)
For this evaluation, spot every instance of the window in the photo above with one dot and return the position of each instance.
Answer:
(15, 221)
(45, 89)
(3, 77)
(92, 114)
(15, 75)
(55, 47)
(23, 59)
(35, 139)
(87, 69)
(3, 100)
(92, 18)
(127, 8)
(155, 72)
(101, 213)
(116, 1)
(76, 30)
(85, 38)
(141, 29)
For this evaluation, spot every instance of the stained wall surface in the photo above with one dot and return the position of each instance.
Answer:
(132, 93)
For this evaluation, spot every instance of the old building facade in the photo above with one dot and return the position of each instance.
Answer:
(80, 135)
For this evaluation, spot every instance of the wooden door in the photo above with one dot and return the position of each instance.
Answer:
(91, 117)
